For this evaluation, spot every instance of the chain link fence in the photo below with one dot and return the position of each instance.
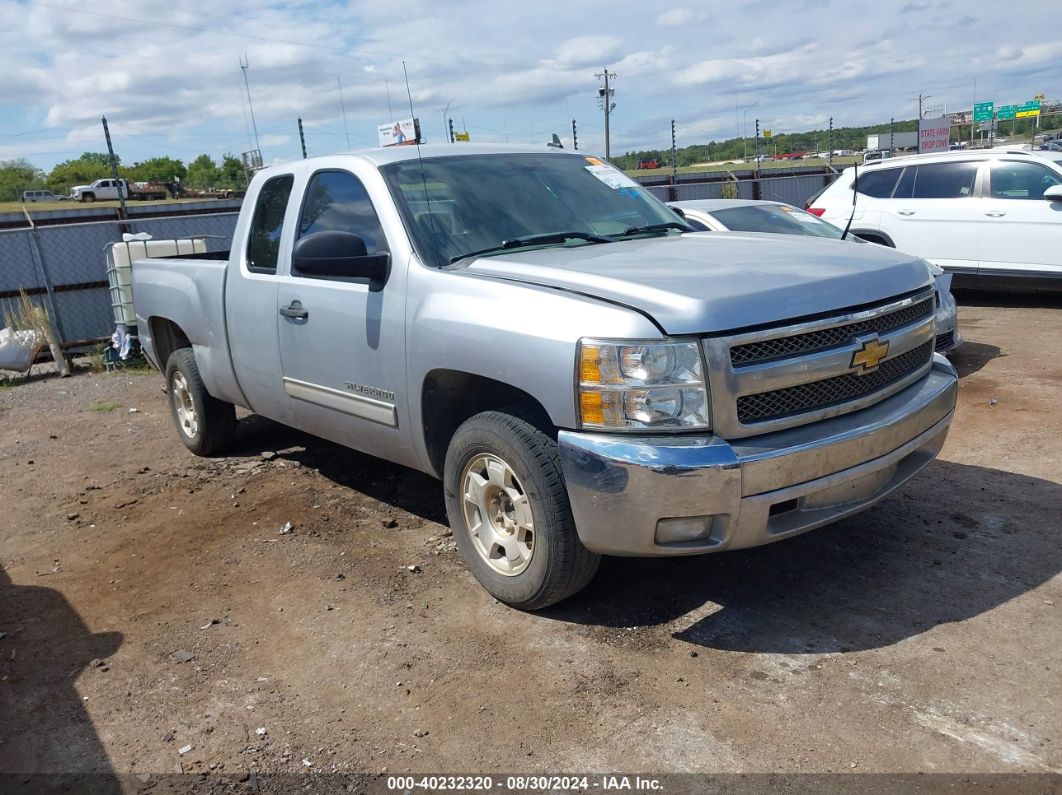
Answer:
(63, 267)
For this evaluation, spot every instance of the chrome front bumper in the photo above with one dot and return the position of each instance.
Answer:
(636, 495)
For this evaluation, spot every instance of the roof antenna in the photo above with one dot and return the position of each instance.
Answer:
(556, 142)
(420, 159)
(855, 192)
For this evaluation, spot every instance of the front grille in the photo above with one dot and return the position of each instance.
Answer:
(830, 391)
(811, 341)
(945, 341)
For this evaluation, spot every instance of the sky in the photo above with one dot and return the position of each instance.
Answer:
(167, 74)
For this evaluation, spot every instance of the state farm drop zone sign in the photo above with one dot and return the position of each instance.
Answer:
(934, 135)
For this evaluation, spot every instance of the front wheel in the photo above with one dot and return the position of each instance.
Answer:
(510, 514)
(206, 425)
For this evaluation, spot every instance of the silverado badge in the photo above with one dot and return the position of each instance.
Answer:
(869, 355)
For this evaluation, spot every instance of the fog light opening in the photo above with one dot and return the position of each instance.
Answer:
(783, 507)
(684, 529)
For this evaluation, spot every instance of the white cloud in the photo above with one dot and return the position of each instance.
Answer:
(680, 16)
(166, 72)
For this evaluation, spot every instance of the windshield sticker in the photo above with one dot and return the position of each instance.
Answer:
(797, 215)
(612, 177)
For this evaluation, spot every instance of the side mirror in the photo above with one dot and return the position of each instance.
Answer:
(1054, 193)
(678, 211)
(338, 255)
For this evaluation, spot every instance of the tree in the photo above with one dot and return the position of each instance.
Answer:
(87, 168)
(232, 173)
(17, 176)
(202, 173)
(157, 169)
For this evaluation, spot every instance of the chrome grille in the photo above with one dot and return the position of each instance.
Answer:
(823, 339)
(945, 341)
(828, 392)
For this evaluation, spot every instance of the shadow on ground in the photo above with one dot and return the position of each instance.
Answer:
(956, 542)
(1048, 299)
(973, 356)
(47, 740)
(404, 488)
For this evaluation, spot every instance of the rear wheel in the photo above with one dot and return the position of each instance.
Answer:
(206, 425)
(509, 510)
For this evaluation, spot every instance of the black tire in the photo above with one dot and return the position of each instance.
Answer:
(559, 565)
(214, 429)
(88, 197)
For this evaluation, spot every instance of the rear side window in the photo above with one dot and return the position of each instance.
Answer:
(1012, 180)
(941, 181)
(878, 184)
(263, 244)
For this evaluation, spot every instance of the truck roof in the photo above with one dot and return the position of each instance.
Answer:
(381, 156)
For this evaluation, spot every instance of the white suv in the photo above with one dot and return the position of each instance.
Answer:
(989, 217)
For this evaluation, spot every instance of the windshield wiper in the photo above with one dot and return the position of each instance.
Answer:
(664, 227)
(546, 239)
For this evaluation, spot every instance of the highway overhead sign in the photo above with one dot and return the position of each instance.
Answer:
(1028, 110)
(983, 111)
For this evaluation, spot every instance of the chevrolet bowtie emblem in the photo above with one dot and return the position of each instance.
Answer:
(869, 355)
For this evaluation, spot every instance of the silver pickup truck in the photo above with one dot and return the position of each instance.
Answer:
(585, 374)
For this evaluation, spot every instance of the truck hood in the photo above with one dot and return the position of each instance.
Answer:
(718, 281)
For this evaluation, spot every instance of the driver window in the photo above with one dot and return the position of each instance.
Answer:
(337, 201)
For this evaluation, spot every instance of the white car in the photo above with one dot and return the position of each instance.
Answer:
(749, 215)
(991, 217)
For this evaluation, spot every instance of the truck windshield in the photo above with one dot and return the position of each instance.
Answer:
(491, 204)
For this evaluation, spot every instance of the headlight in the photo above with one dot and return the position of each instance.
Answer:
(641, 386)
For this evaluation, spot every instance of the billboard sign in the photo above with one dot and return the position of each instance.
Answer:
(934, 135)
(399, 133)
(983, 111)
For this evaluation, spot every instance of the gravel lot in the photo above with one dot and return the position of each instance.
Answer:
(152, 615)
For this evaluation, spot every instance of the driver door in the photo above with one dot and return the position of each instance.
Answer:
(342, 340)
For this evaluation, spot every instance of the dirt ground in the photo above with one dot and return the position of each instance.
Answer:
(154, 618)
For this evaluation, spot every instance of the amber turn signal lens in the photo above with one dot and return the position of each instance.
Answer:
(591, 408)
(590, 365)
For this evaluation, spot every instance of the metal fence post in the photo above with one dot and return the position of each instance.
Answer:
(49, 289)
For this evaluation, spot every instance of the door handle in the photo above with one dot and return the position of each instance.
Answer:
(295, 311)
(995, 214)
(905, 212)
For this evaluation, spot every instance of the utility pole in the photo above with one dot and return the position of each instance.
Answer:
(575, 136)
(674, 161)
(452, 138)
(244, 64)
(829, 145)
(920, 98)
(343, 108)
(605, 96)
(114, 168)
(302, 139)
(892, 137)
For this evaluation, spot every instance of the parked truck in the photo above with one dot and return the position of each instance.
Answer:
(585, 375)
(892, 141)
(108, 190)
